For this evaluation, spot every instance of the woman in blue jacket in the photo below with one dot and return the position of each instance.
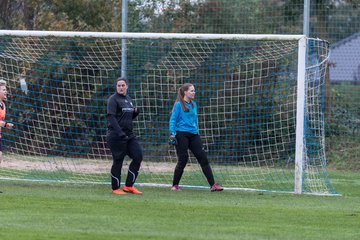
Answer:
(185, 135)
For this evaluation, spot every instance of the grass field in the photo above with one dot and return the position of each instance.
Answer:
(57, 211)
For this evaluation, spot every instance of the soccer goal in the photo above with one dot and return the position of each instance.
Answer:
(260, 98)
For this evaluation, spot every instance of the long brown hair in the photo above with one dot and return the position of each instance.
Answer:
(181, 95)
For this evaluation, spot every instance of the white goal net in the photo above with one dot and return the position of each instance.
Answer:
(247, 93)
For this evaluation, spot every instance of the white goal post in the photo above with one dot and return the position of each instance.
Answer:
(260, 103)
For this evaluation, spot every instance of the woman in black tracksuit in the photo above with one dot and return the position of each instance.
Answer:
(121, 138)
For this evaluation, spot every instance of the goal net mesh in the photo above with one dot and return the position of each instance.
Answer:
(246, 93)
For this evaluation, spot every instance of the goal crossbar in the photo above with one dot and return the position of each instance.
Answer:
(25, 33)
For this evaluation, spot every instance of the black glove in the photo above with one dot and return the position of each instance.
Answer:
(135, 113)
(172, 140)
(123, 137)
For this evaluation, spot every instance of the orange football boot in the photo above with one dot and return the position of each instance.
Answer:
(118, 191)
(132, 190)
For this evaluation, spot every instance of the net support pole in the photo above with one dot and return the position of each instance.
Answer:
(300, 116)
(306, 18)
(124, 18)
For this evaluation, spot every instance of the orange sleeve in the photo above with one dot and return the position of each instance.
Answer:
(2, 112)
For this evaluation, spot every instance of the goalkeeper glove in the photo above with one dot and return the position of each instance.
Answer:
(172, 140)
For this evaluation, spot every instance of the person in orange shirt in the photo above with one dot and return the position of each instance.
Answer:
(3, 95)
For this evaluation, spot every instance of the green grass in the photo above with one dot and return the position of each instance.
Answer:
(57, 211)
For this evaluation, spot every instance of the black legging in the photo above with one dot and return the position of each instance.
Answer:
(120, 148)
(193, 142)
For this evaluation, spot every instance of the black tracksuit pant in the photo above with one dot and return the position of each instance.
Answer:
(120, 147)
(193, 142)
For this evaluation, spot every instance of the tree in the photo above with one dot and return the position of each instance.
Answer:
(80, 15)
